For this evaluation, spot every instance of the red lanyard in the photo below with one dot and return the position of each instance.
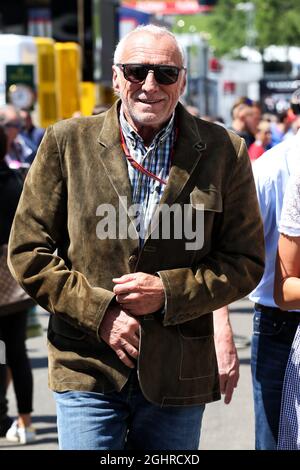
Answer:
(136, 165)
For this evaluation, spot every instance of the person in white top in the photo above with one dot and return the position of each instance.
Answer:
(287, 296)
(273, 329)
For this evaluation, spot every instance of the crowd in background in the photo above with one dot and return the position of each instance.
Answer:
(260, 130)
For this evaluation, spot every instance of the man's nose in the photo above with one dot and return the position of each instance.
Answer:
(150, 83)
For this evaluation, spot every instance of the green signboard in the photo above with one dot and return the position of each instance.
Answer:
(20, 85)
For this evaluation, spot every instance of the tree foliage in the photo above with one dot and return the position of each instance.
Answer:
(277, 22)
(274, 22)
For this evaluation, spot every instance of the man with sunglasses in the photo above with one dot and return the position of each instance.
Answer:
(131, 347)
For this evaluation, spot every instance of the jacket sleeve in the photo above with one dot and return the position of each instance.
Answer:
(235, 264)
(40, 220)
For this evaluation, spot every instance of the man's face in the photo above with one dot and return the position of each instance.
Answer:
(149, 104)
(249, 120)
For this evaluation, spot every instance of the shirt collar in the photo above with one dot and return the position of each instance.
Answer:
(131, 134)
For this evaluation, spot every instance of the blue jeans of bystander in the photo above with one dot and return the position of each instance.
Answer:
(273, 334)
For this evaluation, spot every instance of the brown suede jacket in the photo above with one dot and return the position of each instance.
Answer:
(79, 166)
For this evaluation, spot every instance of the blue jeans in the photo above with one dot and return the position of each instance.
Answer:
(124, 420)
(273, 334)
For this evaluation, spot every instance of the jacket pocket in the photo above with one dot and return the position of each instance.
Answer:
(197, 357)
(206, 199)
(197, 348)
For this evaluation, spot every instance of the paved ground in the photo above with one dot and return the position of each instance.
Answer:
(224, 426)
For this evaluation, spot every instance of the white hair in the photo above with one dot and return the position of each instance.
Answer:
(149, 28)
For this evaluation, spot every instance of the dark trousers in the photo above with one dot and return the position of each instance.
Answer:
(3, 401)
(273, 334)
(13, 333)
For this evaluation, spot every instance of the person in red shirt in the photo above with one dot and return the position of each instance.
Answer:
(263, 138)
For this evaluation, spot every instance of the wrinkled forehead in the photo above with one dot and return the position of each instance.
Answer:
(151, 49)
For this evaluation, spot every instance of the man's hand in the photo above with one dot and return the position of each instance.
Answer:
(228, 361)
(121, 332)
(139, 293)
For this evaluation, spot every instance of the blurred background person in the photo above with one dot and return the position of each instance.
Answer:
(257, 114)
(18, 155)
(31, 134)
(263, 137)
(13, 314)
(273, 329)
(280, 126)
(5, 421)
(296, 125)
(244, 122)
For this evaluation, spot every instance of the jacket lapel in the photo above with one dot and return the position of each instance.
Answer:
(112, 158)
(113, 161)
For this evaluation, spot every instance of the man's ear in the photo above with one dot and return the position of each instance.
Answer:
(115, 79)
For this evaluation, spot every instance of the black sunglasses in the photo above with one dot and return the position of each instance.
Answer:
(137, 73)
